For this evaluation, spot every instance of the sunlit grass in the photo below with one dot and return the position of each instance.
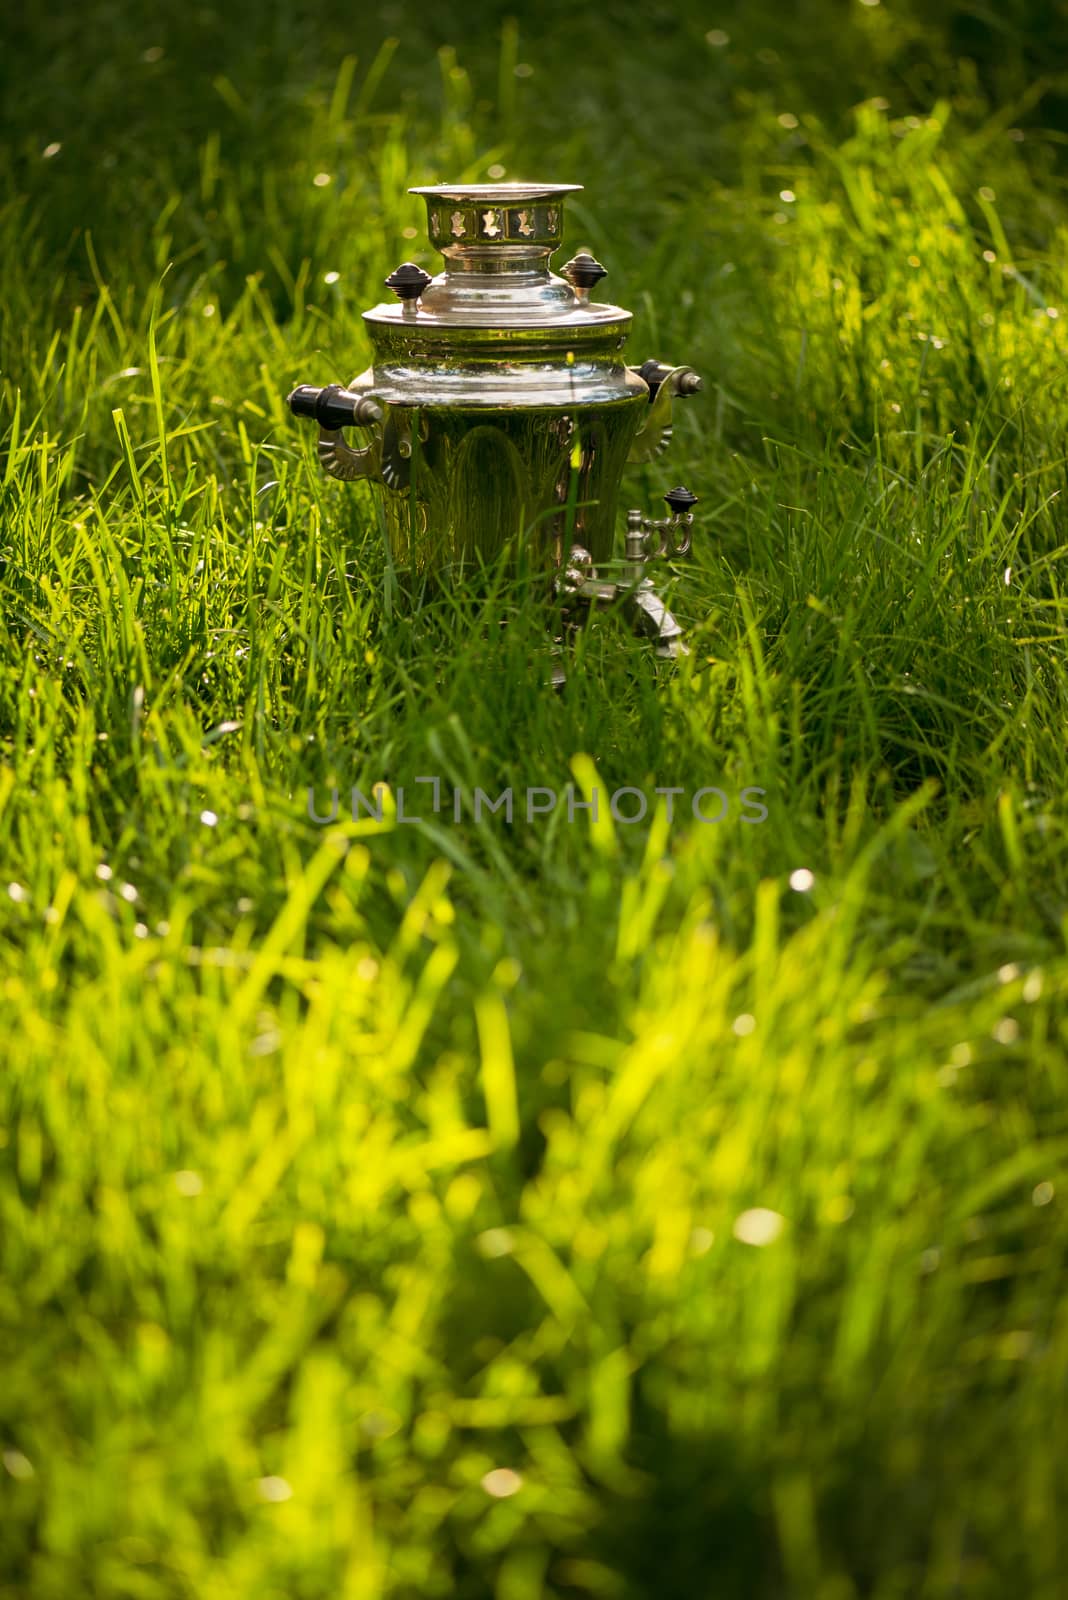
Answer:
(561, 1206)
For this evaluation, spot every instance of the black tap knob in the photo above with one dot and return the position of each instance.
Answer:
(408, 281)
(680, 500)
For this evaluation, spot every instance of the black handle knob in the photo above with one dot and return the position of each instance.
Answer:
(654, 372)
(332, 407)
(583, 272)
(680, 500)
(408, 281)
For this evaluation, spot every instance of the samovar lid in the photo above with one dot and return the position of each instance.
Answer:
(497, 240)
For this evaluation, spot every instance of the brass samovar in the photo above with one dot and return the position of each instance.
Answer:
(499, 415)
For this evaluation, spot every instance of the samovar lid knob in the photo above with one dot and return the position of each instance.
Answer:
(582, 271)
(408, 281)
(680, 500)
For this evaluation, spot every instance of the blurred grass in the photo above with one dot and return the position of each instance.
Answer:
(534, 1210)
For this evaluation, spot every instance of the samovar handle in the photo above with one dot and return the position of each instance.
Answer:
(664, 383)
(334, 408)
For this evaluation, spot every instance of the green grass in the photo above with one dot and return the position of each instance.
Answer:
(341, 1167)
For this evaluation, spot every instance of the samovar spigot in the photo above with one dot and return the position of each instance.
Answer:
(647, 540)
(673, 534)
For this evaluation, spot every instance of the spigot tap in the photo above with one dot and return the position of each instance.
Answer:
(673, 535)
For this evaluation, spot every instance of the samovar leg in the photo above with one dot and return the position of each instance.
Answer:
(646, 612)
(651, 619)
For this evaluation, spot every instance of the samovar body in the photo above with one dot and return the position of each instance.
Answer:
(498, 414)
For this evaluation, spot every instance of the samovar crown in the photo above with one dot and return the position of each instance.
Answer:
(497, 288)
(496, 227)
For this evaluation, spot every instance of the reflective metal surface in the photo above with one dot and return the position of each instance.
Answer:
(539, 478)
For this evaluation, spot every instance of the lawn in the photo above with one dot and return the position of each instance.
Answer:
(563, 1208)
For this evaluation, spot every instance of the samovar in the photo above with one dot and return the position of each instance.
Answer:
(498, 414)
